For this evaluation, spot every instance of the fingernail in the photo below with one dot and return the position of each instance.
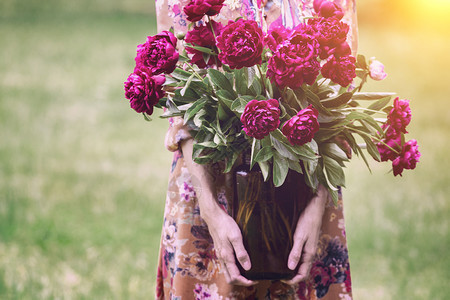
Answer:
(246, 266)
(291, 265)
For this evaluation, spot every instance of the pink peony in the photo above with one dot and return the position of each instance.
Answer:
(376, 70)
(158, 53)
(328, 9)
(241, 43)
(300, 129)
(394, 140)
(260, 118)
(400, 116)
(195, 10)
(330, 33)
(295, 61)
(340, 70)
(276, 36)
(408, 158)
(144, 90)
(203, 36)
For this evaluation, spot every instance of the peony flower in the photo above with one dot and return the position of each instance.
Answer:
(300, 129)
(276, 36)
(376, 70)
(195, 10)
(328, 9)
(295, 61)
(144, 90)
(408, 158)
(241, 43)
(330, 33)
(394, 140)
(203, 36)
(400, 115)
(158, 53)
(260, 118)
(340, 70)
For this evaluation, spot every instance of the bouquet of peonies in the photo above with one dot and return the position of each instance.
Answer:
(289, 96)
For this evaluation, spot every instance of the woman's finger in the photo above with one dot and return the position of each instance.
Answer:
(235, 276)
(239, 249)
(296, 253)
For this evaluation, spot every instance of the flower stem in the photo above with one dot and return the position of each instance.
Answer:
(372, 137)
(361, 108)
(262, 79)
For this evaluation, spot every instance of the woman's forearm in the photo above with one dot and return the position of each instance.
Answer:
(202, 182)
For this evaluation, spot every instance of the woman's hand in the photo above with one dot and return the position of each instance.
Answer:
(223, 229)
(227, 239)
(306, 236)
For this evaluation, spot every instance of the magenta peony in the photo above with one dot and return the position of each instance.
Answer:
(158, 53)
(276, 36)
(340, 70)
(400, 116)
(295, 61)
(394, 140)
(195, 10)
(330, 33)
(376, 70)
(408, 158)
(144, 90)
(328, 9)
(203, 36)
(300, 129)
(241, 43)
(260, 118)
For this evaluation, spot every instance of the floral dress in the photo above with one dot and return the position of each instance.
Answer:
(187, 266)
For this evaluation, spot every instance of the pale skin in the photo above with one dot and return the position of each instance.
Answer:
(227, 236)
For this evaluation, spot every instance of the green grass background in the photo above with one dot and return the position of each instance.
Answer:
(83, 177)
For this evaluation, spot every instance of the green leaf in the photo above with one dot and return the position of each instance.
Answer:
(282, 149)
(361, 62)
(230, 162)
(256, 145)
(220, 80)
(186, 86)
(265, 168)
(238, 105)
(372, 148)
(264, 154)
(241, 79)
(251, 75)
(380, 104)
(201, 49)
(181, 74)
(199, 104)
(334, 151)
(371, 96)
(295, 165)
(335, 102)
(315, 101)
(334, 172)
(280, 169)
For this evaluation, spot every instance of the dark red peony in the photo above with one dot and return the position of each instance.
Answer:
(241, 44)
(340, 70)
(328, 9)
(400, 116)
(197, 9)
(300, 129)
(393, 139)
(260, 118)
(407, 159)
(295, 61)
(276, 36)
(144, 90)
(331, 34)
(158, 53)
(203, 36)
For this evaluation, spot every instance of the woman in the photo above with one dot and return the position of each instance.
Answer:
(200, 240)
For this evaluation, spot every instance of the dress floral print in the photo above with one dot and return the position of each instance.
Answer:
(188, 267)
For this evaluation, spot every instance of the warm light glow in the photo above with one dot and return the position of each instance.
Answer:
(431, 6)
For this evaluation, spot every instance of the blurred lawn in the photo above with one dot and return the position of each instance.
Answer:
(83, 177)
